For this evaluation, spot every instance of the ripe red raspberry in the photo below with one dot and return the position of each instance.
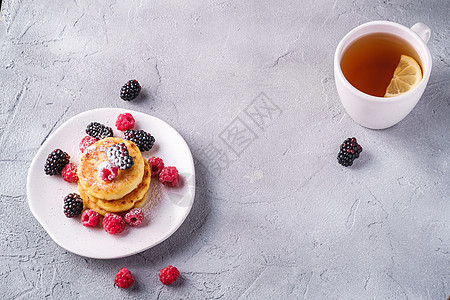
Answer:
(156, 165)
(86, 142)
(69, 173)
(113, 223)
(168, 275)
(134, 217)
(125, 122)
(169, 176)
(90, 218)
(124, 279)
(107, 171)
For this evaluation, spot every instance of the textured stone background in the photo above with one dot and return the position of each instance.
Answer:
(282, 219)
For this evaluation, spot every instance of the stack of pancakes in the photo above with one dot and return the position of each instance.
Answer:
(128, 190)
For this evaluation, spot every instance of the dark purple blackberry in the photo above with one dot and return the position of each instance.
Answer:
(130, 90)
(350, 150)
(99, 131)
(55, 162)
(73, 205)
(142, 139)
(118, 155)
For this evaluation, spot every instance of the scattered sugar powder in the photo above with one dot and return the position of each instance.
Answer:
(107, 171)
(153, 198)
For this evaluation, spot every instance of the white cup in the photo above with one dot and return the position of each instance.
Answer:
(378, 112)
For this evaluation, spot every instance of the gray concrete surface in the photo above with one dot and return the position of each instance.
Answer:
(275, 217)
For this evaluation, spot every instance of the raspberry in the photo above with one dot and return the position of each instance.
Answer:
(156, 165)
(169, 176)
(99, 131)
(107, 171)
(90, 218)
(350, 150)
(125, 122)
(168, 275)
(134, 217)
(142, 139)
(118, 155)
(130, 90)
(86, 142)
(55, 162)
(73, 205)
(69, 173)
(124, 279)
(113, 223)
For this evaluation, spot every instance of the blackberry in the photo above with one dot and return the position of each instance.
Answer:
(73, 205)
(99, 131)
(142, 139)
(55, 162)
(130, 90)
(350, 150)
(118, 155)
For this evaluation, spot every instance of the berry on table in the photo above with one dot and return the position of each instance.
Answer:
(124, 279)
(130, 90)
(125, 122)
(73, 205)
(99, 131)
(90, 218)
(156, 165)
(107, 171)
(142, 139)
(169, 176)
(55, 162)
(349, 151)
(69, 173)
(86, 142)
(113, 223)
(119, 156)
(134, 217)
(168, 275)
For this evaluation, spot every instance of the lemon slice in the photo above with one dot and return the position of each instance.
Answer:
(407, 76)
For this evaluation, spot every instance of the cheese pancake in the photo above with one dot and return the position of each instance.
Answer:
(127, 202)
(88, 203)
(126, 180)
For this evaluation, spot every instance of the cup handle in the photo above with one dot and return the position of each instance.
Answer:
(422, 30)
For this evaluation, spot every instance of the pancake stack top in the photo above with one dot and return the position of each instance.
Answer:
(127, 190)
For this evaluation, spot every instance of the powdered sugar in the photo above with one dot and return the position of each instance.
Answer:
(107, 171)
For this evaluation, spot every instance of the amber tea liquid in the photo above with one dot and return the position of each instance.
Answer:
(370, 61)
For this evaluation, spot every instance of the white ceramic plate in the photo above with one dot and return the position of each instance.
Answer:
(166, 208)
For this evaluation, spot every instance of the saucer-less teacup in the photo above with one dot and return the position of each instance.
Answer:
(379, 112)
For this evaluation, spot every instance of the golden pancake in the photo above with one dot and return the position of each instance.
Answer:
(140, 203)
(119, 205)
(126, 202)
(88, 203)
(126, 180)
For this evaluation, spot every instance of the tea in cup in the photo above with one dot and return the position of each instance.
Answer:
(381, 70)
